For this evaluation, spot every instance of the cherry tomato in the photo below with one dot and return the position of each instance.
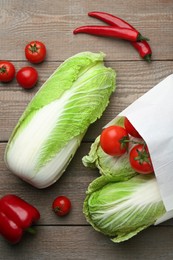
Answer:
(140, 159)
(113, 140)
(27, 77)
(61, 206)
(7, 71)
(35, 51)
(130, 129)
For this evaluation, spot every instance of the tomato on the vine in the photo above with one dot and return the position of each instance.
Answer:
(140, 159)
(7, 71)
(114, 140)
(61, 206)
(35, 51)
(27, 77)
(130, 128)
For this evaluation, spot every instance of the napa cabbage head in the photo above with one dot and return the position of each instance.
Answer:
(120, 208)
(52, 126)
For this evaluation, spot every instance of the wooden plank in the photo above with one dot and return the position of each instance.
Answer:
(54, 24)
(133, 80)
(73, 184)
(22, 21)
(60, 242)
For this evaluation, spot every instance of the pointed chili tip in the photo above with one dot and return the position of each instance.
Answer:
(75, 31)
(91, 13)
(142, 38)
(148, 58)
(80, 29)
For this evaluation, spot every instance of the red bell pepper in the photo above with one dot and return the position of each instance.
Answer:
(16, 216)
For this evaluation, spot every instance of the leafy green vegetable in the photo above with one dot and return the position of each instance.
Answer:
(120, 207)
(107, 164)
(120, 203)
(55, 121)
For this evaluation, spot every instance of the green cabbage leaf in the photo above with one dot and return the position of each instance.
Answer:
(106, 164)
(53, 124)
(121, 207)
(120, 203)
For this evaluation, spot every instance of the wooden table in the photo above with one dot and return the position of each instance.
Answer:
(53, 22)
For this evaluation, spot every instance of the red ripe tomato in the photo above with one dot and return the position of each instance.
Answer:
(130, 129)
(7, 71)
(27, 77)
(61, 206)
(35, 51)
(140, 159)
(114, 140)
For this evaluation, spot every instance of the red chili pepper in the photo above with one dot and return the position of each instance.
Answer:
(16, 216)
(142, 47)
(111, 20)
(111, 31)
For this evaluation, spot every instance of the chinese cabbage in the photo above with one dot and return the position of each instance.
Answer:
(51, 128)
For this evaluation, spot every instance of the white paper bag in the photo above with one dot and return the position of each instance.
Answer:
(152, 116)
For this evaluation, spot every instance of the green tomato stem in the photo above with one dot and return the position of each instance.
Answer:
(132, 141)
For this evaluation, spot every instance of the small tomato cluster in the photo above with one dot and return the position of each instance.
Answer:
(114, 140)
(27, 77)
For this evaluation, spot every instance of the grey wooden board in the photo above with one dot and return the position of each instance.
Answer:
(133, 80)
(82, 242)
(53, 23)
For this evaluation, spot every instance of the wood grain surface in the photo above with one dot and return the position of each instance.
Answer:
(53, 22)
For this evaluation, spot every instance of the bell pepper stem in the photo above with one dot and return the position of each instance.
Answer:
(31, 230)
